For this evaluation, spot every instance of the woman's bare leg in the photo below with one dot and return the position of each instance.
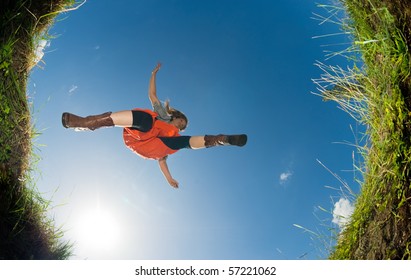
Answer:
(197, 142)
(122, 118)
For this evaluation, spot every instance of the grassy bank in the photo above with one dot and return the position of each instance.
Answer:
(378, 96)
(25, 230)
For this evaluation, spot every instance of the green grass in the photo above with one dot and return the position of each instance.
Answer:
(26, 231)
(378, 96)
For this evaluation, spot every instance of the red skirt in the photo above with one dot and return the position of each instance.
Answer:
(147, 144)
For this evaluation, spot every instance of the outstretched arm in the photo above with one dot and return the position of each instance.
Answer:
(152, 93)
(164, 169)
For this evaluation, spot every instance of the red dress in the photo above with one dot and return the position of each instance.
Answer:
(147, 144)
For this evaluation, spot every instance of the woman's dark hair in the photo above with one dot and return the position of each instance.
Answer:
(175, 114)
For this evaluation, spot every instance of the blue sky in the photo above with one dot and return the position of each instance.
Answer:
(231, 67)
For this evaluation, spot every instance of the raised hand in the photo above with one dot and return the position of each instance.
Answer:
(155, 70)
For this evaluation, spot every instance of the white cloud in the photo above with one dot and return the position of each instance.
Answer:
(39, 50)
(284, 177)
(72, 89)
(342, 212)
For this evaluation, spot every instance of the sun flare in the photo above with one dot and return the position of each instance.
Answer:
(98, 230)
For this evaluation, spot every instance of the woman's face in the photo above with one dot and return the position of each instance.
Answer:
(180, 123)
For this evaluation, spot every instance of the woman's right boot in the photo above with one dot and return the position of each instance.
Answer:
(88, 123)
(225, 140)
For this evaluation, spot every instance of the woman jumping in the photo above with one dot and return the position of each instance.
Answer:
(153, 134)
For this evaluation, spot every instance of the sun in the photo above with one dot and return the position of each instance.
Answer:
(98, 231)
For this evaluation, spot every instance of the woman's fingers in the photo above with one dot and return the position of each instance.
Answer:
(173, 183)
(157, 68)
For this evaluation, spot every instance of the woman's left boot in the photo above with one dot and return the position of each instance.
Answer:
(225, 140)
(88, 123)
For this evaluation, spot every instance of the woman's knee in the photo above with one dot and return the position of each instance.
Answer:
(122, 118)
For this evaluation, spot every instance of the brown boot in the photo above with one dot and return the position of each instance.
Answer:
(88, 123)
(225, 140)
